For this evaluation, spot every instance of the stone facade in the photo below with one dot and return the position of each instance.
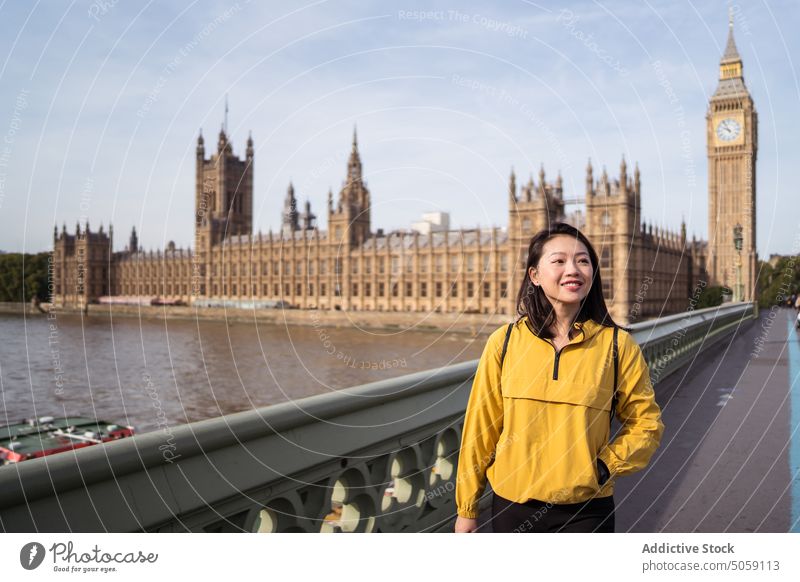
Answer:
(647, 271)
(83, 265)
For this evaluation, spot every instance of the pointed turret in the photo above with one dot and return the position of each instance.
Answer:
(309, 217)
(290, 214)
(201, 144)
(354, 163)
(731, 54)
(623, 176)
(133, 242)
(223, 143)
(512, 187)
(731, 80)
(542, 185)
(589, 179)
(250, 151)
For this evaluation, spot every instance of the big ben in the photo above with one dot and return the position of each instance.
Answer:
(732, 137)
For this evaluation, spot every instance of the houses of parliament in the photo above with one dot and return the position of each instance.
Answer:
(646, 271)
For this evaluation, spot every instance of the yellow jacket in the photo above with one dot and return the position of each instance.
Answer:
(537, 427)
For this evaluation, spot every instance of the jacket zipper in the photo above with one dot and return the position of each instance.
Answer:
(557, 358)
(555, 363)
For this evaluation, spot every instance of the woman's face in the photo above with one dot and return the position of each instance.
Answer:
(564, 271)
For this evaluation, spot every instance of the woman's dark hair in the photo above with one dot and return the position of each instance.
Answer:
(533, 303)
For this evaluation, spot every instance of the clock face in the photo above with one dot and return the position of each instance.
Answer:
(728, 129)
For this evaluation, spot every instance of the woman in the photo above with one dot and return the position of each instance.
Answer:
(538, 420)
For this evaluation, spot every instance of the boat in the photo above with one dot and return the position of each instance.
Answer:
(47, 435)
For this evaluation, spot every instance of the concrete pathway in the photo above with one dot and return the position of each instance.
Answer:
(728, 461)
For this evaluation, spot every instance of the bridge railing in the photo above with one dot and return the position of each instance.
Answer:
(377, 457)
(670, 342)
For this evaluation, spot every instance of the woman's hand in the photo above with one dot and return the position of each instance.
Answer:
(466, 525)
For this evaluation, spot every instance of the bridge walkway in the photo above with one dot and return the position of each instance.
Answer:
(728, 461)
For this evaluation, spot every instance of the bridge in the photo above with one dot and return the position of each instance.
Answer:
(382, 457)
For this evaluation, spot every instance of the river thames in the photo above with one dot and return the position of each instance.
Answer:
(152, 373)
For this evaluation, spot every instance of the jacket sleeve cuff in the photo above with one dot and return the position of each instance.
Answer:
(469, 511)
(610, 461)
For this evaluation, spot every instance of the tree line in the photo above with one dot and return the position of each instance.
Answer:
(23, 277)
(777, 284)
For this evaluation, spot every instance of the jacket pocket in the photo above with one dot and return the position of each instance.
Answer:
(587, 395)
(601, 472)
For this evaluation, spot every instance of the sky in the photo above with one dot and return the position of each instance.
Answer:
(101, 103)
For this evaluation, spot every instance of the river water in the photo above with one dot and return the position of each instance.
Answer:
(152, 373)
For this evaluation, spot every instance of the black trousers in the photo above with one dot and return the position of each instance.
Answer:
(595, 515)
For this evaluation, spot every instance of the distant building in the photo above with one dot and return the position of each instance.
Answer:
(432, 222)
(774, 259)
(646, 270)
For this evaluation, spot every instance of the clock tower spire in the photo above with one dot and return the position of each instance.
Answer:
(732, 136)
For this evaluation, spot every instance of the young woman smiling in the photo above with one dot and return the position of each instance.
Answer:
(537, 424)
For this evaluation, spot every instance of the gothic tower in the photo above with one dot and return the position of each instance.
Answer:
(535, 208)
(348, 224)
(732, 136)
(224, 189)
(82, 265)
(613, 211)
(223, 200)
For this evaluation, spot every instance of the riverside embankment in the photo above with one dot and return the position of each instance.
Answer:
(469, 323)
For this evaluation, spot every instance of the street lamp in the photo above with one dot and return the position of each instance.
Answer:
(737, 243)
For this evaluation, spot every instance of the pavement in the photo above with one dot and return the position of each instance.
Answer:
(724, 464)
